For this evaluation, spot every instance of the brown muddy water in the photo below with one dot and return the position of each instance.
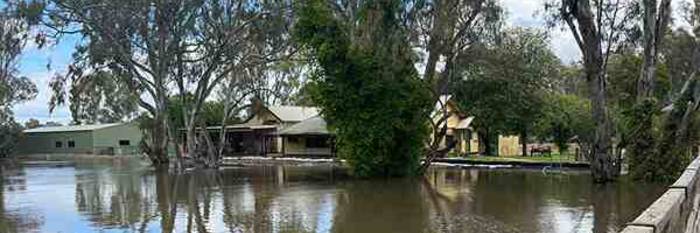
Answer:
(124, 197)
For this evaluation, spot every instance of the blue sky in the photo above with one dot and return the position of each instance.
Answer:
(40, 65)
(33, 63)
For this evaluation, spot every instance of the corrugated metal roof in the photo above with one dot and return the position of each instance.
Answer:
(70, 128)
(311, 126)
(293, 113)
(464, 123)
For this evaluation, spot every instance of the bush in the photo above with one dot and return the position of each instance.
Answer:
(10, 133)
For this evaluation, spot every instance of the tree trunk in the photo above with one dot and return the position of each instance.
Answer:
(190, 140)
(645, 83)
(655, 23)
(212, 159)
(484, 143)
(602, 163)
(593, 60)
(159, 142)
(642, 147)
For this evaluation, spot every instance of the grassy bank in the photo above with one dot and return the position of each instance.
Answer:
(552, 158)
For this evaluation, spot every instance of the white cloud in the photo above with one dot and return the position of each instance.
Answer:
(528, 13)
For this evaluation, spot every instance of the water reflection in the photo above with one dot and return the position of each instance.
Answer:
(12, 218)
(124, 197)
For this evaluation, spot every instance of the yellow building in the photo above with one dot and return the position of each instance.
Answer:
(459, 129)
(300, 131)
(458, 126)
(308, 138)
(259, 134)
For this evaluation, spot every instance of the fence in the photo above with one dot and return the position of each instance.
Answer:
(676, 210)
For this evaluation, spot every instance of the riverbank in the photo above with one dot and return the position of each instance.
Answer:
(261, 160)
(525, 162)
(490, 162)
(475, 162)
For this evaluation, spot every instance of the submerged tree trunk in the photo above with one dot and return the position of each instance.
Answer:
(158, 148)
(602, 163)
(587, 33)
(190, 141)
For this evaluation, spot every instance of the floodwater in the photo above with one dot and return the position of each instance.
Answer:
(123, 197)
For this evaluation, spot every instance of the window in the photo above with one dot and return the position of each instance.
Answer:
(124, 142)
(59, 144)
(316, 142)
(71, 144)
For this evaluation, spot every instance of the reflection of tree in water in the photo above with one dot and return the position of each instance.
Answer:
(530, 201)
(243, 200)
(266, 203)
(20, 220)
(303, 199)
(111, 199)
(449, 194)
(393, 205)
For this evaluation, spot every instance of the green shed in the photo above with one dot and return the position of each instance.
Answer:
(108, 139)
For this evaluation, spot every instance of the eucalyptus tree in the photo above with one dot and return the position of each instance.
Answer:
(677, 53)
(661, 151)
(600, 28)
(155, 48)
(443, 31)
(96, 97)
(504, 85)
(14, 89)
(655, 17)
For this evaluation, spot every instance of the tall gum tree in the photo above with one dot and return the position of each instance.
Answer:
(664, 154)
(598, 27)
(14, 89)
(444, 31)
(159, 47)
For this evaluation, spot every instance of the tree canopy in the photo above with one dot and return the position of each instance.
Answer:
(14, 89)
(366, 85)
(503, 86)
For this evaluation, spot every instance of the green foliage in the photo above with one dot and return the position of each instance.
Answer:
(623, 73)
(660, 150)
(367, 87)
(10, 134)
(648, 134)
(565, 117)
(678, 54)
(642, 152)
(504, 86)
(14, 89)
(210, 114)
(98, 97)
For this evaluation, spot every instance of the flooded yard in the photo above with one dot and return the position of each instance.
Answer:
(125, 197)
